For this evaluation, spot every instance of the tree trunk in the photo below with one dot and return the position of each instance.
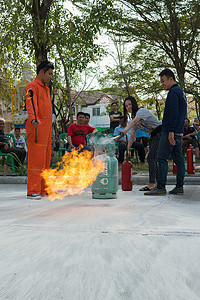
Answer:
(69, 104)
(40, 13)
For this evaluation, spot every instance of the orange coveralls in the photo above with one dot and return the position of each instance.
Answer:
(39, 153)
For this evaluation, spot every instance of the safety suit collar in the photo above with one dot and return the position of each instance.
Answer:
(40, 82)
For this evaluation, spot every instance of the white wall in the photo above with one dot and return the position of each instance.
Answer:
(99, 121)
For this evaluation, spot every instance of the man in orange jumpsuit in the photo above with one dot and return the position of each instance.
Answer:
(39, 152)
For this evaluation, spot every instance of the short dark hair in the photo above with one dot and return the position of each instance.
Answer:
(45, 65)
(87, 115)
(80, 113)
(114, 103)
(17, 128)
(188, 120)
(168, 73)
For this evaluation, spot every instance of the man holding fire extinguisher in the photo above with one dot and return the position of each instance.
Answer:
(171, 136)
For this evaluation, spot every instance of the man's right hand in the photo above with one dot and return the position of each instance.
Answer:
(171, 138)
(35, 124)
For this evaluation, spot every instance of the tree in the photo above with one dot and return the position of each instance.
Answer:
(168, 25)
(47, 28)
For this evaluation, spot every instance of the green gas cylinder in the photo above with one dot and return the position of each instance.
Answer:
(106, 184)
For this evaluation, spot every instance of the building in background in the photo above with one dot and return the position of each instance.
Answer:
(94, 103)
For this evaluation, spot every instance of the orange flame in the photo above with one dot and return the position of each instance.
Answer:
(72, 175)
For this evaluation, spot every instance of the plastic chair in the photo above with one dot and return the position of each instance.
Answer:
(10, 159)
(198, 134)
(62, 136)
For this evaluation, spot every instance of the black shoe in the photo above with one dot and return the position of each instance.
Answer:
(156, 192)
(177, 191)
(34, 197)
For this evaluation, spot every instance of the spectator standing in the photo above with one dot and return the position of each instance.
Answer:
(39, 152)
(146, 121)
(77, 133)
(123, 142)
(114, 115)
(171, 136)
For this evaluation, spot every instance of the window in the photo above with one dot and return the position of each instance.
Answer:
(96, 111)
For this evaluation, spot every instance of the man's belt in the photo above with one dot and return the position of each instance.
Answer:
(156, 130)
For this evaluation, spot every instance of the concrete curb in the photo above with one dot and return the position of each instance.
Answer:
(13, 179)
(136, 179)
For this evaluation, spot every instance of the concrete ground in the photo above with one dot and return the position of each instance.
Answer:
(134, 247)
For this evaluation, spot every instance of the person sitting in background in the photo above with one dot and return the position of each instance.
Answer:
(77, 133)
(143, 137)
(87, 120)
(114, 115)
(196, 125)
(123, 142)
(5, 146)
(19, 142)
(189, 137)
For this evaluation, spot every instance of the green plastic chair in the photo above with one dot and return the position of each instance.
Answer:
(9, 157)
(9, 160)
(198, 134)
(62, 136)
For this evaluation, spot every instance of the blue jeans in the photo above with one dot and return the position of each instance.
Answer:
(165, 149)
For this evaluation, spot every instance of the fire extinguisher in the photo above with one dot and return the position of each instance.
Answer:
(126, 173)
(174, 168)
(191, 163)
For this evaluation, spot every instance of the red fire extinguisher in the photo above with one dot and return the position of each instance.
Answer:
(191, 163)
(126, 174)
(174, 168)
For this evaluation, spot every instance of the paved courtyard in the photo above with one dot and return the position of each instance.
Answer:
(134, 247)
